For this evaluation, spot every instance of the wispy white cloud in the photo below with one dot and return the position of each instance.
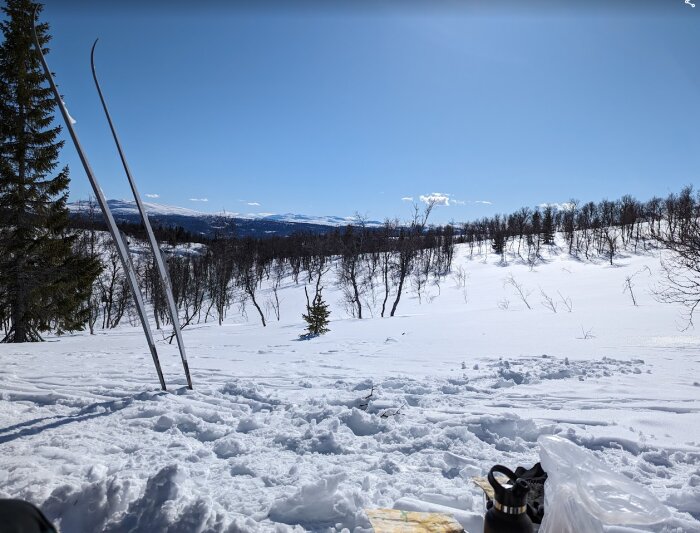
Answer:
(199, 199)
(443, 199)
(436, 198)
(153, 196)
(254, 203)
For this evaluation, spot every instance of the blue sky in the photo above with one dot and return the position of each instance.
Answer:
(334, 110)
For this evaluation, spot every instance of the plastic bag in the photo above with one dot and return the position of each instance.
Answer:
(582, 494)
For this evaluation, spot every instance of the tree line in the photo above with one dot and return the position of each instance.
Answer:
(589, 229)
(58, 277)
(374, 267)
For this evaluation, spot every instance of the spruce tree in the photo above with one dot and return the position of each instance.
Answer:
(316, 316)
(548, 225)
(498, 244)
(44, 283)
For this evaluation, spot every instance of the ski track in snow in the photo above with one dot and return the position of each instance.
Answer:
(281, 434)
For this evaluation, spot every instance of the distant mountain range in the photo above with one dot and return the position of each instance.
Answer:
(208, 224)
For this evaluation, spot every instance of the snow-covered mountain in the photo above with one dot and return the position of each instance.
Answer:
(246, 224)
(128, 207)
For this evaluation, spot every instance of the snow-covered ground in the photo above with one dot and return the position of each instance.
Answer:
(283, 434)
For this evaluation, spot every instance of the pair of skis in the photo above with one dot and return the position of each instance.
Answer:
(122, 249)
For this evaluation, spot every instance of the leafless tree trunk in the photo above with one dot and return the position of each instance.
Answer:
(408, 244)
(279, 272)
(249, 282)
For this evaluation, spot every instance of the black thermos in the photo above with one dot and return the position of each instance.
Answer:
(508, 511)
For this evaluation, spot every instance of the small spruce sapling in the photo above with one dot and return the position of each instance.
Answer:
(316, 316)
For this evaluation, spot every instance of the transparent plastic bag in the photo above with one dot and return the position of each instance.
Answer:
(582, 494)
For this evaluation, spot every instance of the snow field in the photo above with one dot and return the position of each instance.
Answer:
(282, 434)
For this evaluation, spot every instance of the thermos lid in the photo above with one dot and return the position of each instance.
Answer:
(510, 499)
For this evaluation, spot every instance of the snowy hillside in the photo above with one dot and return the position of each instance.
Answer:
(128, 207)
(282, 434)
